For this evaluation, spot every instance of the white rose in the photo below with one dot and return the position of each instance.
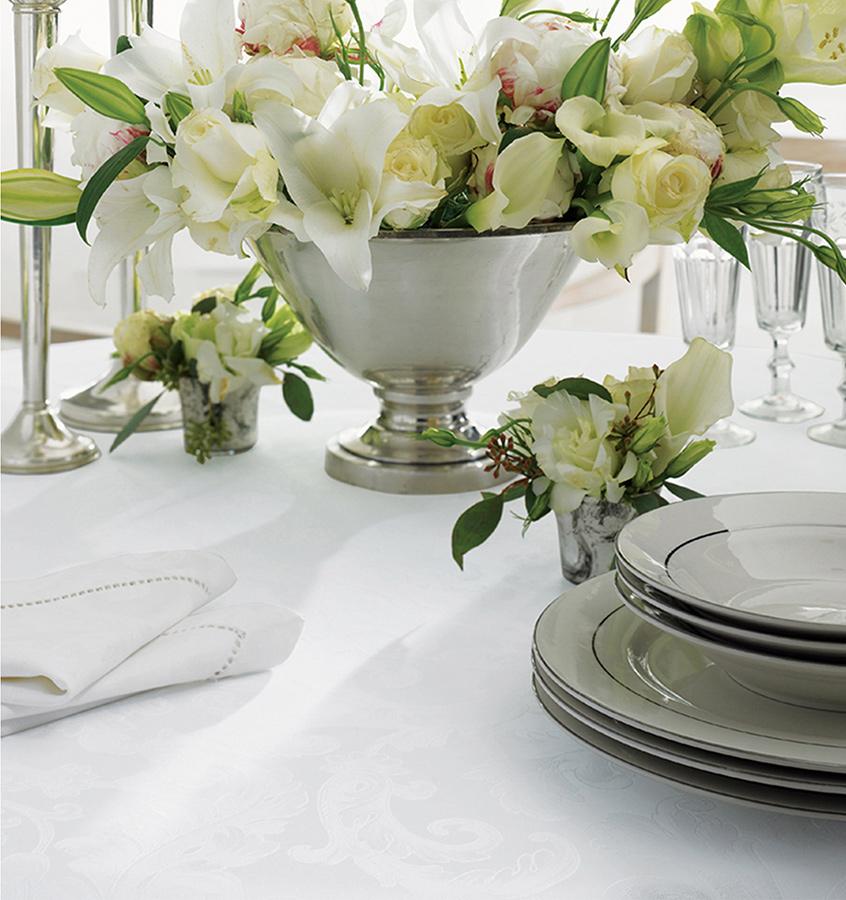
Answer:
(670, 189)
(572, 447)
(225, 169)
(532, 66)
(658, 65)
(48, 91)
(302, 82)
(416, 164)
(613, 236)
(450, 128)
(601, 134)
(134, 337)
(283, 26)
(697, 136)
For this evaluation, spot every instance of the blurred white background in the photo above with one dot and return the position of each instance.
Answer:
(73, 310)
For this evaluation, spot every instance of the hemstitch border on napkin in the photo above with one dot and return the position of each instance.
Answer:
(107, 587)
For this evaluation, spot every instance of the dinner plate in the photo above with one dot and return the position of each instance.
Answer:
(717, 763)
(649, 679)
(811, 683)
(774, 561)
(763, 796)
(783, 644)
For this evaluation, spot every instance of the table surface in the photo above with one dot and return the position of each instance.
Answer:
(399, 752)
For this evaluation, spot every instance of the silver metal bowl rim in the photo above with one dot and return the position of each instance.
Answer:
(410, 234)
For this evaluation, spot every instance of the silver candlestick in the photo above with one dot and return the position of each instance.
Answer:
(37, 441)
(97, 407)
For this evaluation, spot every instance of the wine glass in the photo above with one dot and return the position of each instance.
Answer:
(780, 276)
(831, 218)
(707, 281)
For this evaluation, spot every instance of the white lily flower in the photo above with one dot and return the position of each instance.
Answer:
(332, 168)
(132, 214)
(601, 134)
(301, 81)
(522, 176)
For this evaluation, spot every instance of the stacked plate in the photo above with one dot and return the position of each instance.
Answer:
(715, 656)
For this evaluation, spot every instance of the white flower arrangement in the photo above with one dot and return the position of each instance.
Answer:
(622, 440)
(301, 117)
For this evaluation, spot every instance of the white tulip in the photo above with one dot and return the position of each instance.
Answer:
(613, 236)
(671, 190)
(48, 91)
(522, 177)
(333, 169)
(658, 65)
(601, 134)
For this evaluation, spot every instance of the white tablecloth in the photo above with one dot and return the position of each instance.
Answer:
(399, 752)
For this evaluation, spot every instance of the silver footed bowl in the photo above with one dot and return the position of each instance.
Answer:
(445, 308)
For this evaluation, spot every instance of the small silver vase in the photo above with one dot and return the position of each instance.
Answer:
(587, 536)
(224, 428)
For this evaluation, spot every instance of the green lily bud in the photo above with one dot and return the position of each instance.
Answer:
(688, 458)
(439, 436)
(715, 40)
(648, 434)
(38, 197)
(643, 475)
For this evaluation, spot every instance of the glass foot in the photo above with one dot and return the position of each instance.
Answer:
(785, 408)
(97, 408)
(831, 433)
(729, 434)
(36, 442)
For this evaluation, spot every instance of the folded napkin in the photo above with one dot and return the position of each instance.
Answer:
(99, 632)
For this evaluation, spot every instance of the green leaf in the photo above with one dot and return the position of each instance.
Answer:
(205, 305)
(581, 388)
(269, 306)
(126, 371)
(242, 292)
(102, 178)
(475, 525)
(682, 492)
(177, 106)
(726, 235)
(132, 425)
(647, 502)
(537, 505)
(588, 73)
(122, 43)
(105, 95)
(729, 194)
(309, 372)
(580, 17)
(297, 395)
(514, 492)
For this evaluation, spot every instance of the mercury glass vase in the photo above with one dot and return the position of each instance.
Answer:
(445, 308)
(221, 429)
(587, 537)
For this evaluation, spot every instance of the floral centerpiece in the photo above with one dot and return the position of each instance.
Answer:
(598, 454)
(316, 139)
(218, 356)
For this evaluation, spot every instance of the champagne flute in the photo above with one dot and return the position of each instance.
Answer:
(831, 218)
(780, 276)
(707, 281)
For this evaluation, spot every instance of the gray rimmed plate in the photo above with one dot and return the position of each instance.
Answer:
(763, 796)
(651, 680)
(771, 561)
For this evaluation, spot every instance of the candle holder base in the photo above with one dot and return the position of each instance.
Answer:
(102, 409)
(37, 442)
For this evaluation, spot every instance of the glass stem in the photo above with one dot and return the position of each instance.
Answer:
(842, 391)
(780, 364)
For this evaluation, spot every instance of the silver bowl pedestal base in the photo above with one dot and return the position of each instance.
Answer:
(36, 442)
(97, 408)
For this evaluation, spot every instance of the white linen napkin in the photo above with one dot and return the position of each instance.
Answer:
(95, 633)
